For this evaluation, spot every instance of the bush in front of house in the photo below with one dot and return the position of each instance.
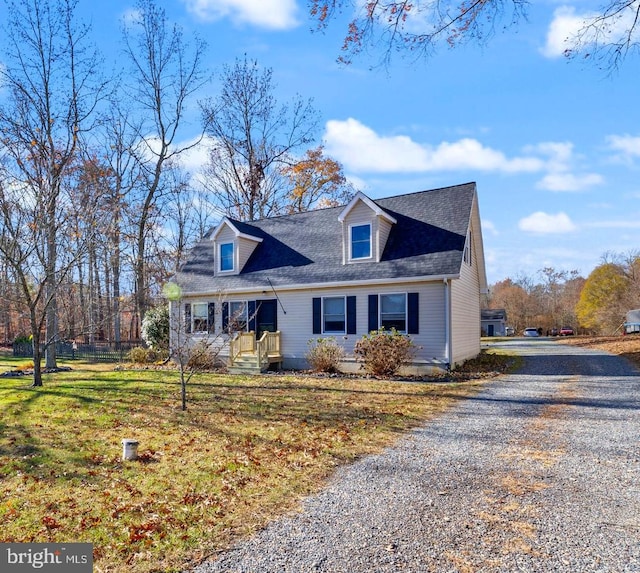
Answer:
(383, 352)
(141, 355)
(324, 354)
(201, 357)
(155, 328)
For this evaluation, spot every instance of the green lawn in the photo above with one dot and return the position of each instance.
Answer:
(246, 450)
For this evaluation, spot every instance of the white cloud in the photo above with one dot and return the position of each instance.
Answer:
(564, 181)
(489, 227)
(360, 149)
(564, 26)
(272, 14)
(545, 223)
(627, 145)
(569, 30)
(560, 164)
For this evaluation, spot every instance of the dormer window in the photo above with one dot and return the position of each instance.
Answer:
(226, 257)
(361, 241)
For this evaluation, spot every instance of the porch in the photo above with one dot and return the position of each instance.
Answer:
(248, 355)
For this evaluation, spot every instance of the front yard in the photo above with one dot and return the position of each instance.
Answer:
(246, 450)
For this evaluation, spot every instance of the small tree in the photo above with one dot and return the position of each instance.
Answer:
(190, 356)
(384, 352)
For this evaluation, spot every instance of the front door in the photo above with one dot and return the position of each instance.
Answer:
(266, 316)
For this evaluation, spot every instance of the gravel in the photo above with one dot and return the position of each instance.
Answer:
(539, 472)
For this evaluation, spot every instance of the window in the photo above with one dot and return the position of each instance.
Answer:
(333, 315)
(393, 311)
(361, 241)
(226, 257)
(237, 316)
(467, 250)
(200, 316)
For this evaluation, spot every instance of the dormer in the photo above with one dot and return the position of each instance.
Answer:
(232, 247)
(365, 230)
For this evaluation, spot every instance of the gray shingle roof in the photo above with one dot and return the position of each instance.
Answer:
(306, 248)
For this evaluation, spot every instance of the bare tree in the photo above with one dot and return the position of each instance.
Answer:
(166, 71)
(24, 244)
(253, 138)
(609, 35)
(192, 355)
(52, 93)
(419, 27)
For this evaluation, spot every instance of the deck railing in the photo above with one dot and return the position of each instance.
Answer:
(267, 349)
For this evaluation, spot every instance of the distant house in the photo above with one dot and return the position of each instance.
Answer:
(632, 322)
(493, 321)
(411, 262)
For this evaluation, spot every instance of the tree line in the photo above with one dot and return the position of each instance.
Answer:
(555, 298)
(96, 207)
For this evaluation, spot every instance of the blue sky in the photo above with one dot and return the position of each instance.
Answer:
(554, 145)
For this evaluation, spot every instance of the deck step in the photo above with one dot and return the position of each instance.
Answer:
(246, 364)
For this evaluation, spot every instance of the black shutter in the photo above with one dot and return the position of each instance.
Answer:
(373, 312)
(317, 316)
(225, 316)
(211, 320)
(251, 315)
(413, 315)
(351, 315)
(187, 318)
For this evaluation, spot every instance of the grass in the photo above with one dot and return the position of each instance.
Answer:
(246, 450)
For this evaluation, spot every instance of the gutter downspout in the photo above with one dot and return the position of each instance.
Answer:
(447, 323)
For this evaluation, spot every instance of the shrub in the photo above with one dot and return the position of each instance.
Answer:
(383, 352)
(138, 355)
(324, 354)
(155, 327)
(201, 357)
(141, 355)
(23, 339)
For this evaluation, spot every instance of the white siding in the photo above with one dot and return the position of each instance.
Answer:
(360, 214)
(295, 320)
(245, 249)
(465, 313)
(384, 228)
(242, 248)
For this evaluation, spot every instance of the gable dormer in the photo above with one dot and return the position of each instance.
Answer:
(365, 230)
(232, 248)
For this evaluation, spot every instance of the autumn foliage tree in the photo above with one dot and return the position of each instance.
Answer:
(604, 300)
(316, 181)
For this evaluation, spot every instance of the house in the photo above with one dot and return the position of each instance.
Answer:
(413, 262)
(493, 321)
(632, 322)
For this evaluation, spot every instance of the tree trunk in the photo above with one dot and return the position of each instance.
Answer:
(50, 289)
(37, 355)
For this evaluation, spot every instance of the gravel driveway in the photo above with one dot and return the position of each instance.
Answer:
(538, 472)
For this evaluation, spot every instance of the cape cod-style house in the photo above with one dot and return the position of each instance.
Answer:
(414, 262)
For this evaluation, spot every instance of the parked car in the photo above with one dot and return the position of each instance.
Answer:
(566, 331)
(553, 332)
(531, 332)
